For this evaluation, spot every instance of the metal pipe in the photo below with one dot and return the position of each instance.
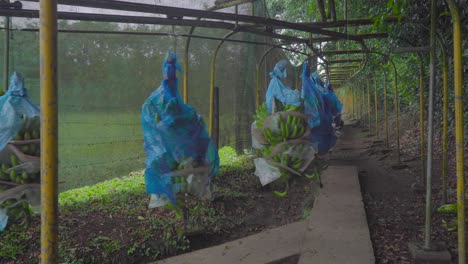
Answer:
(177, 12)
(421, 115)
(445, 125)
(6, 54)
(385, 105)
(212, 80)
(252, 13)
(459, 137)
(186, 64)
(397, 109)
(430, 119)
(396, 100)
(368, 104)
(49, 131)
(215, 135)
(376, 104)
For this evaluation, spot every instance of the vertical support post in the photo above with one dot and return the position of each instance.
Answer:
(353, 101)
(397, 109)
(215, 135)
(345, 15)
(186, 65)
(368, 105)
(6, 54)
(385, 107)
(253, 8)
(49, 133)
(212, 80)
(376, 103)
(445, 126)
(430, 118)
(421, 115)
(459, 136)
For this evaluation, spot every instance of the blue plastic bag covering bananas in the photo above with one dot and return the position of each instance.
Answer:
(277, 89)
(336, 106)
(15, 110)
(312, 98)
(324, 134)
(175, 139)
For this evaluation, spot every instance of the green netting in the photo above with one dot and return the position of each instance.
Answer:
(104, 79)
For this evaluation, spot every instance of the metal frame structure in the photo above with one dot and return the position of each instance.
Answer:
(48, 16)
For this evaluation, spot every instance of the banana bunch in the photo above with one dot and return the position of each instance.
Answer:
(260, 115)
(292, 128)
(13, 176)
(30, 129)
(292, 108)
(271, 138)
(289, 161)
(19, 211)
(451, 225)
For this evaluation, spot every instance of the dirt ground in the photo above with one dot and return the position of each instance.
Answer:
(395, 207)
(136, 234)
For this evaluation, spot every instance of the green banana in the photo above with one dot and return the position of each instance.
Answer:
(281, 194)
(448, 208)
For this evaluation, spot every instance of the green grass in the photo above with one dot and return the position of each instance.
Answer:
(118, 190)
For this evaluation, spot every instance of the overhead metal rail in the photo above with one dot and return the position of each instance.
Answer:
(177, 13)
(345, 61)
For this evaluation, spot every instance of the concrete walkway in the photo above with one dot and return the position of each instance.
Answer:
(336, 232)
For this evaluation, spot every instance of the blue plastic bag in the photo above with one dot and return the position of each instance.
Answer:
(174, 134)
(277, 89)
(15, 108)
(336, 106)
(311, 97)
(324, 134)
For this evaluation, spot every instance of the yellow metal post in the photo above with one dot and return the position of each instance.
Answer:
(445, 125)
(6, 54)
(385, 105)
(376, 103)
(459, 137)
(397, 108)
(212, 80)
(421, 114)
(49, 133)
(186, 66)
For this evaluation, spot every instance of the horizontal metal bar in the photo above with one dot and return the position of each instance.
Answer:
(351, 22)
(169, 34)
(151, 21)
(344, 66)
(122, 19)
(136, 33)
(338, 52)
(345, 61)
(228, 4)
(411, 49)
(176, 12)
